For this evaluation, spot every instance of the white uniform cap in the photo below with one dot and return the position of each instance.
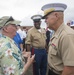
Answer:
(48, 8)
(36, 17)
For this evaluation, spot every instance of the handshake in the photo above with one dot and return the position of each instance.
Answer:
(30, 58)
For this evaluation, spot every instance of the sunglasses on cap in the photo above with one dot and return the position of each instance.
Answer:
(10, 19)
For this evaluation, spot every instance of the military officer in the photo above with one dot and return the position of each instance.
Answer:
(36, 41)
(61, 46)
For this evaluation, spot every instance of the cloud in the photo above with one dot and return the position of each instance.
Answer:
(24, 9)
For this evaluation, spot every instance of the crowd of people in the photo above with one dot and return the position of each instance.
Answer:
(50, 48)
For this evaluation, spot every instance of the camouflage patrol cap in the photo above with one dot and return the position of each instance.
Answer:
(6, 20)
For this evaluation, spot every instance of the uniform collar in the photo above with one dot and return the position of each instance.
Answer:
(59, 30)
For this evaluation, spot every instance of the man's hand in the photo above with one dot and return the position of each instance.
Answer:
(28, 63)
(26, 54)
(31, 59)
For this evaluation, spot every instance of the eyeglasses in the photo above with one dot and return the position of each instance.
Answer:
(10, 19)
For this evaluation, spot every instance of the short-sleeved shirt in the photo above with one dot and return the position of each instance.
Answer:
(18, 40)
(61, 49)
(22, 33)
(35, 38)
(10, 57)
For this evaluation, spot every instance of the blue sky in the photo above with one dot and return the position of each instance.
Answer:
(24, 9)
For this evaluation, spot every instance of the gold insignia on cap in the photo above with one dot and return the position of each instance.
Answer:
(48, 10)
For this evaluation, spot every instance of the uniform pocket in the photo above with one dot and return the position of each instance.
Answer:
(54, 49)
(54, 52)
(37, 37)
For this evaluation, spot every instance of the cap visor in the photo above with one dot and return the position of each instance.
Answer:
(15, 22)
(50, 13)
(43, 17)
(46, 15)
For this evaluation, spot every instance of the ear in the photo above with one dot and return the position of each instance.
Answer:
(56, 14)
(5, 29)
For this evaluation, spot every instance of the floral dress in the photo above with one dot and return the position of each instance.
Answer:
(11, 62)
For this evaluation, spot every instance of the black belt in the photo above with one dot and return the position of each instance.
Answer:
(38, 48)
(51, 72)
